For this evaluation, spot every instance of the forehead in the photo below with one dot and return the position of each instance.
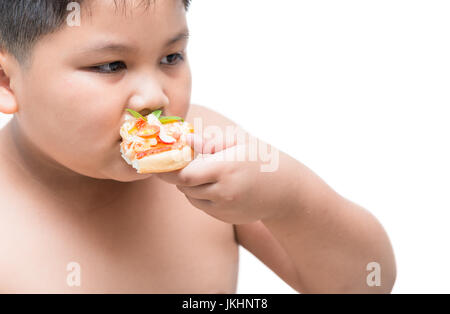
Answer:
(113, 11)
(137, 24)
(120, 6)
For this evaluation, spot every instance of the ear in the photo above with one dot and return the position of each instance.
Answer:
(8, 102)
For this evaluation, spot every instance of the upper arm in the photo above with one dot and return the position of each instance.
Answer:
(258, 240)
(208, 117)
(254, 237)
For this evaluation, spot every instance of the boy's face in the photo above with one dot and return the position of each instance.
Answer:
(73, 97)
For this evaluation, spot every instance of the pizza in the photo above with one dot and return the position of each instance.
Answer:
(155, 144)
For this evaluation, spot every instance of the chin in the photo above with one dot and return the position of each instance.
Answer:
(122, 172)
(130, 179)
(130, 175)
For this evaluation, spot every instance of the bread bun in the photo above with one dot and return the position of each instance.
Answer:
(162, 162)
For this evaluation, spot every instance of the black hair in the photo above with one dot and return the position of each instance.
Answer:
(23, 22)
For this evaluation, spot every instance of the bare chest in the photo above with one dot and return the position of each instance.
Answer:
(160, 246)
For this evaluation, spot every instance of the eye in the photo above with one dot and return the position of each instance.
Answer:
(112, 67)
(173, 59)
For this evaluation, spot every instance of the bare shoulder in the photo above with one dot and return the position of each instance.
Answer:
(209, 116)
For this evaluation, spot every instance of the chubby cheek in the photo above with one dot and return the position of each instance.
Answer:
(95, 107)
(72, 119)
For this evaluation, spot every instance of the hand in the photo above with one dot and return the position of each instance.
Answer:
(230, 189)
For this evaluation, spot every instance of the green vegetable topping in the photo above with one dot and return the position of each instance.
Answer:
(157, 113)
(164, 120)
(135, 114)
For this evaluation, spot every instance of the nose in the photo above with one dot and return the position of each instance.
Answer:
(148, 98)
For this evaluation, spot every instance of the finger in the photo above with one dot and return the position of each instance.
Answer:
(214, 144)
(172, 177)
(200, 204)
(204, 191)
(198, 172)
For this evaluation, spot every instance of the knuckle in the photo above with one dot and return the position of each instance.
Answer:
(185, 180)
(227, 196)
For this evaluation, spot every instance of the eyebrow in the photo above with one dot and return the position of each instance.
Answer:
(117, 47)
(184, 35)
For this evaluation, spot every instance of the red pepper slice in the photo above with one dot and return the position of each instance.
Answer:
(151, 130)
(140, 123)
(152, 152)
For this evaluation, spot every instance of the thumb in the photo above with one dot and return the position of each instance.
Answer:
(209, 145)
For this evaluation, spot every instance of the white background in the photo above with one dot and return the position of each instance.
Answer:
(356, 90)
(359, 91)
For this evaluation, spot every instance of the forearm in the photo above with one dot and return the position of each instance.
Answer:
(330, 239)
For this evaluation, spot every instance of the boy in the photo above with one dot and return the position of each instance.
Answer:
(71, 203)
